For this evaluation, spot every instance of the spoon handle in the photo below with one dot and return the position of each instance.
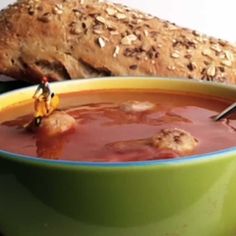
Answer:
(228, 111)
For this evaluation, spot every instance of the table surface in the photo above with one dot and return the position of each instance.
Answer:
(213, 17)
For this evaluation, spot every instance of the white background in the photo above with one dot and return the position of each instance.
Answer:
(213, 17)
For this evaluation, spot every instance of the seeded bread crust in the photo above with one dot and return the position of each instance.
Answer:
(70, 39)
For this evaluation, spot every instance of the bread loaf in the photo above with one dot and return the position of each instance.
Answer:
(70, 39)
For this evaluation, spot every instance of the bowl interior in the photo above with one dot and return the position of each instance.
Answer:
(179, 85)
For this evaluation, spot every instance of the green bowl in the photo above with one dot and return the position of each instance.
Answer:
(186, 197)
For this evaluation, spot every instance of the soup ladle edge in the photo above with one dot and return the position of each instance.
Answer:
(226, 112)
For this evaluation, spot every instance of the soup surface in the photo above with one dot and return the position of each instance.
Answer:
(108, 132)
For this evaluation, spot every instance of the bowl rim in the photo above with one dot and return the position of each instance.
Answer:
(198, 158)
(187, 160)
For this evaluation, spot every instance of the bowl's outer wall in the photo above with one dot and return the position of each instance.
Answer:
(182, 199)
(189, 198)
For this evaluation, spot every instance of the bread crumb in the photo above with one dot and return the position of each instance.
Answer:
(101, 19)
(129, 39)
(111, 11)
(226, 63)
(175, 54)
(101, 42)
(116, 52)
(211, 71)
(121, 16)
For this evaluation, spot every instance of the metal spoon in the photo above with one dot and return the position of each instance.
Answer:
(225, 113)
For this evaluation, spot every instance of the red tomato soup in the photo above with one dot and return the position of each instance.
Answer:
(123, 125)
